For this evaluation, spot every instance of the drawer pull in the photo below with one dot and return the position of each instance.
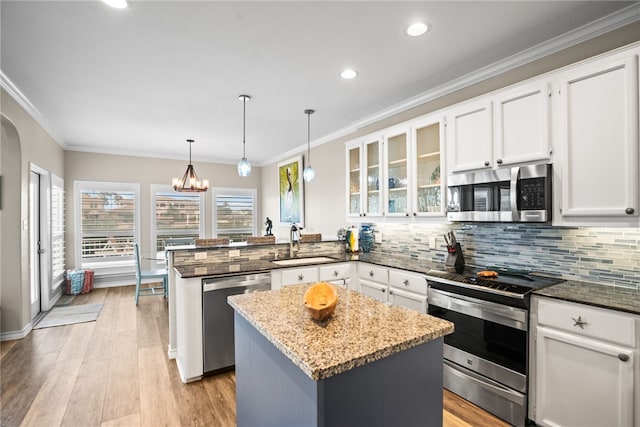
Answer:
(405, 282)
(371, 274)
(623, 357)
(579, 322)
(300, 277)
(335, 273)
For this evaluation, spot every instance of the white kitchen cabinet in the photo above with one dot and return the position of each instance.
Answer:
(470, 136)
(364, 177)
(426, 185)
(374, 290)
(511, 126)
(584, 365)
(188, 303)
(599, 136)
(397, 287)
(396, 172)
(294, 276)
(522, 124)
(409, 300)
(338, 274)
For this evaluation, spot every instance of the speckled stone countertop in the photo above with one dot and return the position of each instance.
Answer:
(616, 298)
(361, 330)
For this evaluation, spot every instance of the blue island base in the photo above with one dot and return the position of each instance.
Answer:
(404, 389)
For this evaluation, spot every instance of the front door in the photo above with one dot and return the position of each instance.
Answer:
(35, 249)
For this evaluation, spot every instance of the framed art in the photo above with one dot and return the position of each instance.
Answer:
(291, 192)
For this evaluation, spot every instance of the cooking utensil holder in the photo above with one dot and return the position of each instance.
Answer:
(455, 257)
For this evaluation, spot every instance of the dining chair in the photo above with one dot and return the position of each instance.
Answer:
(141, 275)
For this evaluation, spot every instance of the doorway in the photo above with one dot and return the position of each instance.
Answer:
(35, 244)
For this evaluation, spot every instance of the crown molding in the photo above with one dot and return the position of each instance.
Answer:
(24, 102)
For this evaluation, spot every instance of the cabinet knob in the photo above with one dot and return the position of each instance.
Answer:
(579, 322)
(415, 214)
(499, 161)
(364, 214)
(390, 292)
(371, 274)
(623, 357)
(383, 290)
(629, 211)
(335, 273)
(486, 163)
(405, 282)
(300, 277)
(406, 214)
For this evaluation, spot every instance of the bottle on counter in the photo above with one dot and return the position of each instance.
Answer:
(353, 239)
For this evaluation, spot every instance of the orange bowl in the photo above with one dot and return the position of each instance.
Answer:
(320, 300)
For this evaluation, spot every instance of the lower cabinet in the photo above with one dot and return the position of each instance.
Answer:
(584, 370)
(397, 287)
(338, 274)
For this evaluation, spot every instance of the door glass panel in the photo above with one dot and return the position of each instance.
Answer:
(34, 243)
(373, 177)
(428, 169)
(354, 180)
(397, 167)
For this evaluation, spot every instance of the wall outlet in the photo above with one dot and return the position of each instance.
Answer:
(201, 255)
(234, 253)
(432, 242)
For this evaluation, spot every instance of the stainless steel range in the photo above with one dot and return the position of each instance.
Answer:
(486, 358)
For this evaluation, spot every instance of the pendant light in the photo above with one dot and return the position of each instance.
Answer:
(309, 174)
(190, 181)
(244, 167)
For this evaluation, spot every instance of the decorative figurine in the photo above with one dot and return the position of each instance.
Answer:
(269, 225)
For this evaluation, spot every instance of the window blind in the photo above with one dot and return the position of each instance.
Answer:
(57, 231)
(177, 215)
(235, 214)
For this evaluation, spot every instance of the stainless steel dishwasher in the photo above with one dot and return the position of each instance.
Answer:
(217, 316)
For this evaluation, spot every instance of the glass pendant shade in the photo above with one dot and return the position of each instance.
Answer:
(190, 182)
(308, 174)
(244, 167)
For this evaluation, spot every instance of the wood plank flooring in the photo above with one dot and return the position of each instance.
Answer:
(115, 372)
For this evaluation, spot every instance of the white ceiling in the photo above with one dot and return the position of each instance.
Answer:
(141, 81)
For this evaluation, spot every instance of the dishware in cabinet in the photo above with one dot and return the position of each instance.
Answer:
(364, 195)
(427, 185)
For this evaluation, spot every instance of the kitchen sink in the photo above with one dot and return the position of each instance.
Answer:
(309, 260)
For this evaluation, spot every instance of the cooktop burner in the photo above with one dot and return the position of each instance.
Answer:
(511, 283)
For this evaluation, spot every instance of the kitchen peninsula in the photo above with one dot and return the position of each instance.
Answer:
(369, 364)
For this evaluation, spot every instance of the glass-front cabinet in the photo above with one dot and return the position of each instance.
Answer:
(364, 159)
(428, 185)
(397, 173)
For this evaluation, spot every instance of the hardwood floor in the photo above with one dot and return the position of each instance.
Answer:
(115, 372)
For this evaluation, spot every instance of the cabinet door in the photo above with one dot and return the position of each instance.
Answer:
(293, 276)
(427, 186)
(354, 180)
(582, 382)
(373, 177)
(600, 138)
(397, 174)
(374, 290)
(334, 271)
(408, 300)
(470, 136)
(522, 124)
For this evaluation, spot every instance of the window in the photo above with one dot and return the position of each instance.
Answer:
(108, 221)
(57, 231)
(175, 215)
(234, 213)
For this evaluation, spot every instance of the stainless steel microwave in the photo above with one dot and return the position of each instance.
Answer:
(515, 194)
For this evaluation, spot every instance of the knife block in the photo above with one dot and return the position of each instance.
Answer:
(455, 257)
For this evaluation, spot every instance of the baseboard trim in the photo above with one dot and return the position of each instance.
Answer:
(16, 335)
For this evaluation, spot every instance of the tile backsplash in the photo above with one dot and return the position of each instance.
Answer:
(609, 256)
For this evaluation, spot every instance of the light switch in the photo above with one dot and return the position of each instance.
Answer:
(432, 242)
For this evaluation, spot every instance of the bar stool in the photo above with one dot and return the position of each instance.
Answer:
(160, 273)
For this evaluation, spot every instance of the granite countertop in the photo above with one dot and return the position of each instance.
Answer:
(605, 296)
(361, 330)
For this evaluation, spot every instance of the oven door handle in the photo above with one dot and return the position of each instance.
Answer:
(485, 310)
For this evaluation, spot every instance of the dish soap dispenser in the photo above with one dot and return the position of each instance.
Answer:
(353, 239)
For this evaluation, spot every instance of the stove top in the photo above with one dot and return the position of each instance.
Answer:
(512, 283)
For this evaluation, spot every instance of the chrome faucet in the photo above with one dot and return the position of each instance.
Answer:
(294, 230)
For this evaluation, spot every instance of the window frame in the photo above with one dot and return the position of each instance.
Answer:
(78, 187)
(234, 191)
(153, 230)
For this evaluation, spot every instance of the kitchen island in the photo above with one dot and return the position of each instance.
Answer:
(370, 364)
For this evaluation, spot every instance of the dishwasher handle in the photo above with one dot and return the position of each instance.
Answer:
(262, 281)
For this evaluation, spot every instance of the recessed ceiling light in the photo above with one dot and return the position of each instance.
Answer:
(116, 4)
(349, 74)
(417, 29)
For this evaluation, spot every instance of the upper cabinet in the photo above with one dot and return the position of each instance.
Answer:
(509, 127)
(364, 178)
(599, 136)
(397, 172)
(427, 185)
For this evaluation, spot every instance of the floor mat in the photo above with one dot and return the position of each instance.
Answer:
(68, 315)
